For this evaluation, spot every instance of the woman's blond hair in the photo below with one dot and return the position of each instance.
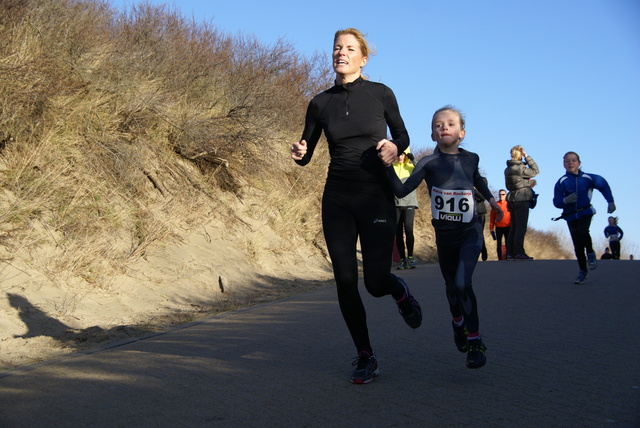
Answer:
(516, 153)
(362, 41)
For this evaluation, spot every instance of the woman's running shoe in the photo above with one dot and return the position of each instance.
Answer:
(366, 368)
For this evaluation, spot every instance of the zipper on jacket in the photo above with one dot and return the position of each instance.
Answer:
(347, 103)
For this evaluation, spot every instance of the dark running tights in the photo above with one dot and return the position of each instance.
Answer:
(500, 233)
(404, 231)
(579, 230)
(458, 256)
(371, 217)
(518, 230)
(615, 249)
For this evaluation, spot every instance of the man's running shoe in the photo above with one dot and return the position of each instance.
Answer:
(582, 276)
(591, 257)
(523, 257)
(409, 307)
(402, 264)
(460, 337)
(366, 368)
(411, 263)
(475, 354)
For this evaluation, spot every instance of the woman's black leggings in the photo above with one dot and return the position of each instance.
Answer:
(406, 216)
(347, 216)
(579, 230)
(517, 231)
(458, 255)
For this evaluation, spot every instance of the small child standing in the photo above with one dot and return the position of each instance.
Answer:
(451, 173)
(573, 193)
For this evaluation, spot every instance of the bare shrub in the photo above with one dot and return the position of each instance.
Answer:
(118, 128)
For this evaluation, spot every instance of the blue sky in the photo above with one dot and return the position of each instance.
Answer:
(550, 75)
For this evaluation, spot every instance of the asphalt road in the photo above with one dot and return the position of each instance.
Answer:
(559, 355)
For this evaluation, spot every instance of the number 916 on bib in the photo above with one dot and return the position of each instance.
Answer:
(452, 205)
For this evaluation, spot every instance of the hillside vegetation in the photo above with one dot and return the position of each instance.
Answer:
(123, 135)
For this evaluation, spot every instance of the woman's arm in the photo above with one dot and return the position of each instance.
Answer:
(310, 135)
(531, 168)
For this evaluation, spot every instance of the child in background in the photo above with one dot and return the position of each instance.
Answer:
(573, 193)
(451, 173)
(614, 234)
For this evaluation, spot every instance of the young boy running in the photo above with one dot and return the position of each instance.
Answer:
(451, 173)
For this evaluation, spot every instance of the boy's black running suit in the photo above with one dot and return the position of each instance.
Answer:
(451, 179)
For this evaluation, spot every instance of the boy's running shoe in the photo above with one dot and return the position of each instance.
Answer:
(402, 264)
(591, 257)
(411, 263)
(582, 276)
(409, 307)
(366, 368)
(475, 354)
(460, 337)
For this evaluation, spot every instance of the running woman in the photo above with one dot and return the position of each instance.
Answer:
(358, 201)
(451, 173)
(573, 193)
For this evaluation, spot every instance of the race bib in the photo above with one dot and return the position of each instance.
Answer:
(452, 205)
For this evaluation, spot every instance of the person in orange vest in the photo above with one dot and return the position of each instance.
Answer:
(500, 229)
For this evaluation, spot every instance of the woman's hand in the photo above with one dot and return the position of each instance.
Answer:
(298, 150)
(387, 152)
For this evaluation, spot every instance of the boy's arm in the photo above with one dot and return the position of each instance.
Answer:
(401, 189)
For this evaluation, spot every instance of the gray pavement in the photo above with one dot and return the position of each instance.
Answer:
(559, 355)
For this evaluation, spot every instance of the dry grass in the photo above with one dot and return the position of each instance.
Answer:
(118, 130)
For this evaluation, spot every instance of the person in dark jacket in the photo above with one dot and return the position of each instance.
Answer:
(357, 204)
(518, 180)
(572, 193)
(614, 234)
